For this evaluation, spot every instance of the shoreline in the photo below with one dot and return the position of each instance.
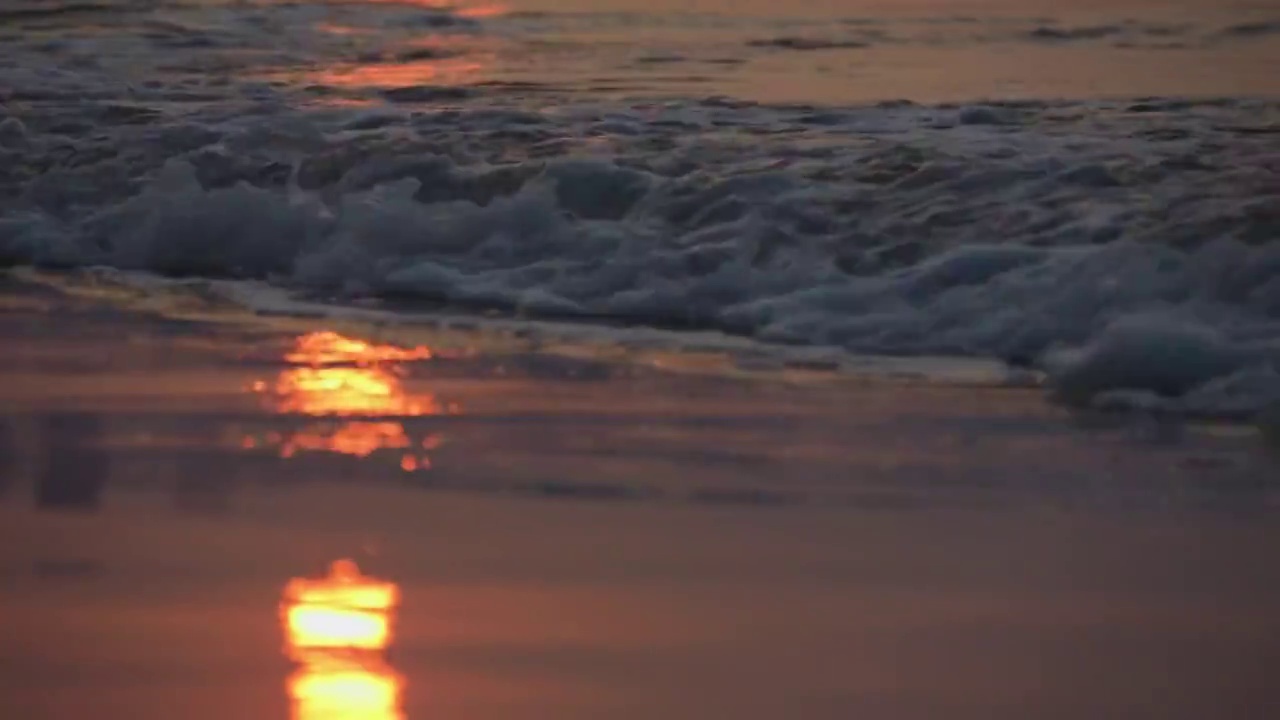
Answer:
(213, 370)
(694, 350)
(706, 352)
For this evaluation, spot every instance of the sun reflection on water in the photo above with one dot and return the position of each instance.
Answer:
(330, 348)
(337, 629)
(354, 390)
(345, 391)
(461, 9)
(345, 692)
(343, 611)
(449, 52)
(381, 75)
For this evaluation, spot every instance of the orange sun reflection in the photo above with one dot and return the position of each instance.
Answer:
(343, 611)
(355, 388)
(341, 30)
(345, 391)
(462, 9)
(330, 348)
(433, 58)
(337, 628)
(381, 75)
(346, 692)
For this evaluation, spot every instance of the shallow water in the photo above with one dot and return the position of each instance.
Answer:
(810, 51)
(578, 539)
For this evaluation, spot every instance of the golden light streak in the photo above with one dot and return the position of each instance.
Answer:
(343, 611)
(461, 9)
(337, 628)
(381, 75)
(354, 387)
(330, 348)
(340, 30)
(345, 391)
(345, 692)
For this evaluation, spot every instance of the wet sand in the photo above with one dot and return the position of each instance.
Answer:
(578, 539)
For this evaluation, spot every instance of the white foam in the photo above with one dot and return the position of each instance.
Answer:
(1139, 236)
(1153, 353)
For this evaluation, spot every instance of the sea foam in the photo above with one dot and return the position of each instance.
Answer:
(1121, 246)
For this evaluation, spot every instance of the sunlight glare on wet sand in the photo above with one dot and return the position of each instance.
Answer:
(330, 348)
(347, 391)
(334, 376)
(324, 692)
(345, 610)
(337, 628)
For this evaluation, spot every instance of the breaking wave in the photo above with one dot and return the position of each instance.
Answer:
(1121, 246)
(465, 156)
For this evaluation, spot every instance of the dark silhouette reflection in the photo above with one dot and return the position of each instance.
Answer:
(75, 469)
(8, 456)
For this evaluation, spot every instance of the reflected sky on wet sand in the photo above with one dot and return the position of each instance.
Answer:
(611, 540)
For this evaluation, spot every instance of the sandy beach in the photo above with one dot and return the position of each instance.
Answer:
(588, 539)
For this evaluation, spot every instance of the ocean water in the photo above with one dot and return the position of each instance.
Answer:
(1089, 187)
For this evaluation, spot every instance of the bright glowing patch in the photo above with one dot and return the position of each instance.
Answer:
(330, 692)
(340, 378)
(344, 611)
(337, 628)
